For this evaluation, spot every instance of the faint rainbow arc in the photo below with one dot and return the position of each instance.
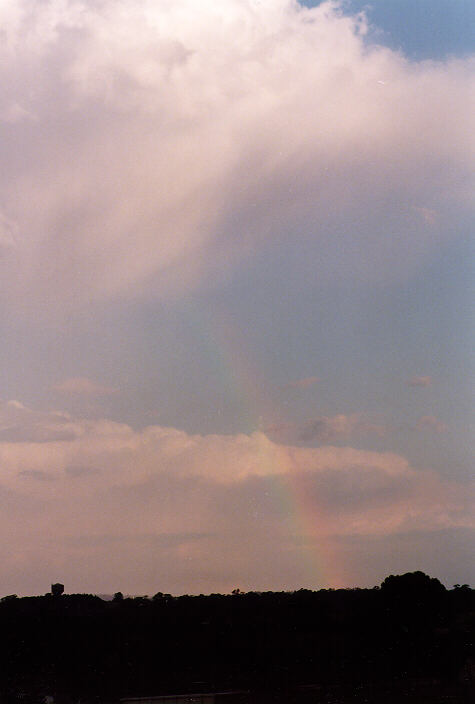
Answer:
(321, 562)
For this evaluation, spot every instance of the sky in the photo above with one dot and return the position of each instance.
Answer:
(235, 282)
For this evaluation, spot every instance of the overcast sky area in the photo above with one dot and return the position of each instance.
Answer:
(235, 294)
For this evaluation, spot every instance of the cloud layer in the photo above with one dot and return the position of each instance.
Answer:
(148, 145)
(204, 511)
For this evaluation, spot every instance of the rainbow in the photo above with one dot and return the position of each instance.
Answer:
(306, 521)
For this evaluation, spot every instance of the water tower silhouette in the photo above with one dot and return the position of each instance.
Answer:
(57, 589)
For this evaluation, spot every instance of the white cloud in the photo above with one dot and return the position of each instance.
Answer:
(55, 442)
(172, 139)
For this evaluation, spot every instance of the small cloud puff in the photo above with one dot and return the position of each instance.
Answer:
(430, 423)
(429, 216)
(330, 428)
(82, 386)
(16, 404)
(423, 381)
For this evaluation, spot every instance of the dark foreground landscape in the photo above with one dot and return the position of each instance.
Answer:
(410, 640)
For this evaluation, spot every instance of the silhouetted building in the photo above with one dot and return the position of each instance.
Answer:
(57, 589)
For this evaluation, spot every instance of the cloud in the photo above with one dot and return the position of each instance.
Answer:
(430, 423)
(36, 474)
(429, 216)
(170, 141)
(19, 424)
(233, 500)
(82, 386)
(75, 471)
(423, 381)
(330, 428)
(15, 113)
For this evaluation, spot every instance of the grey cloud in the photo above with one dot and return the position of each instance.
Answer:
(36, 474)
(280, 430)
(354, 488)
(254, 501)
(331, 428)
(35, 433)
(318, 429)
(78, 471)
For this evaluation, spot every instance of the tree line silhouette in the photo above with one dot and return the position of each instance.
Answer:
(278, 646)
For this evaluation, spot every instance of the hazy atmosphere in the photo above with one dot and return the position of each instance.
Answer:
(234, 294)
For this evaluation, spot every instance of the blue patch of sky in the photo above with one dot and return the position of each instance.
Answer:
(421, 29)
